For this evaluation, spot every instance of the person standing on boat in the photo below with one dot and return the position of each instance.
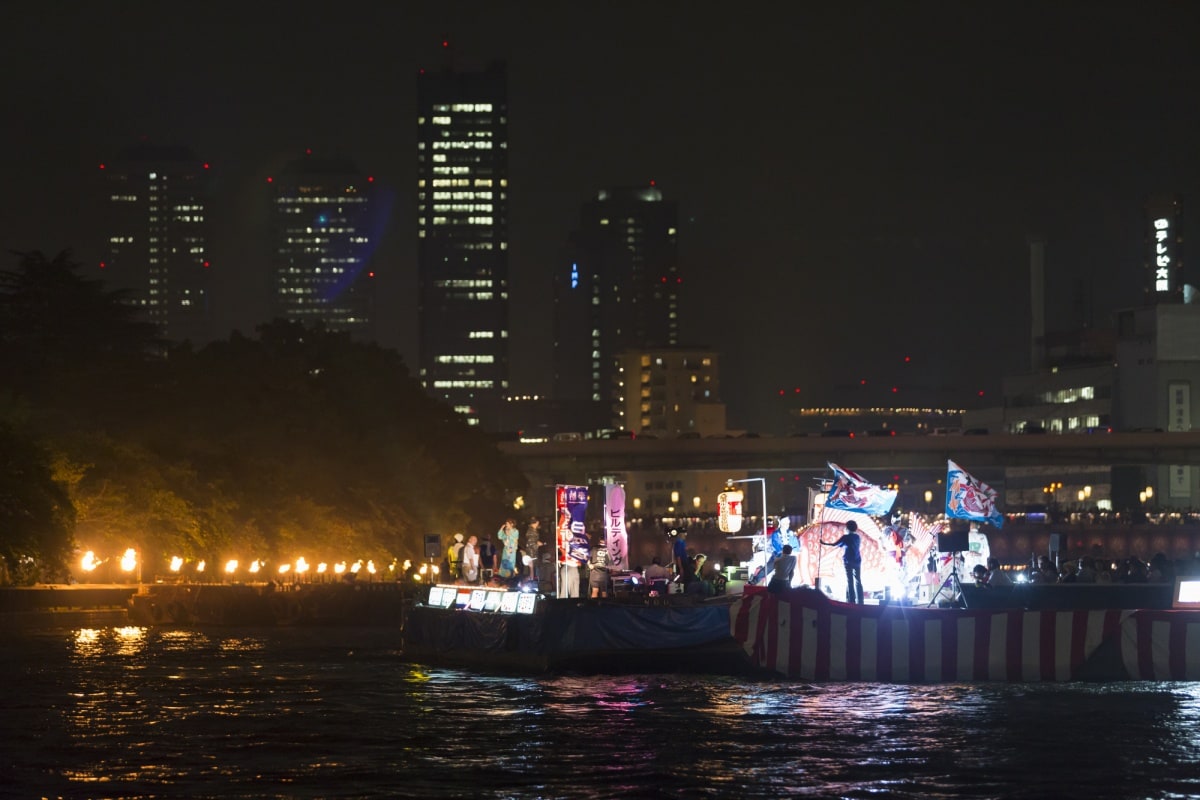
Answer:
(470, 561)
(785, 568)
(454, 557)
(852, 561)
(680, 554)
(508, 538)
(533, 543)
(598, 568)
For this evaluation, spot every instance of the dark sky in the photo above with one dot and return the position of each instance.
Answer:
(856, 185)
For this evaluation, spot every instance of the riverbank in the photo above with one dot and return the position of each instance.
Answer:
(64, 605)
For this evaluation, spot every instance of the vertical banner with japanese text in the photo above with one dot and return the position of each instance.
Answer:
(1179, 418)
(571, 530)
(615, 536)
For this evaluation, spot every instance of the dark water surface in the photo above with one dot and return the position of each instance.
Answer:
(137, 713)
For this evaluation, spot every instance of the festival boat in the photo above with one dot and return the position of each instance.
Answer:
(509, 630)
(803, 634)
(926, 621)
(1073, 634)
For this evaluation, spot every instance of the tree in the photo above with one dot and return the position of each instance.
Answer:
(36, 515)
(52, 318)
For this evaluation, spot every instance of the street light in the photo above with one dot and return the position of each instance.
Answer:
(1052, 490)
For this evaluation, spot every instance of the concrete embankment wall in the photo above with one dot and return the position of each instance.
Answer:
(56, 606)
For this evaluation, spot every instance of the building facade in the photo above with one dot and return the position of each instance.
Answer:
(462, 239)
(619, 288)
(325, 227)
(669, 392)
(157, 240)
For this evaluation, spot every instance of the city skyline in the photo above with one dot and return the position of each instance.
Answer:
(855, 187)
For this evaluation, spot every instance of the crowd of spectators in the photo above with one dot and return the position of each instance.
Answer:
(1093, 569)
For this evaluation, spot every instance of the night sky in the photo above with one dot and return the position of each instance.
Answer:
(856, 185)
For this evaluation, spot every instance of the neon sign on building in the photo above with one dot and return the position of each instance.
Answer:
(1165, 262)
(1162, 255)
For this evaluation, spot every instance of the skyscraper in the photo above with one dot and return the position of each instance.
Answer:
(462, 229)
(157, 237)
(619, 290)
(326, 227)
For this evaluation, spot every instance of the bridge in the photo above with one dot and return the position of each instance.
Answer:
(978, 453)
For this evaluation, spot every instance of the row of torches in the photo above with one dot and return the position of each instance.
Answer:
(129, 563)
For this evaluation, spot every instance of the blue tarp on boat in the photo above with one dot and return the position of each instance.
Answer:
(567, 633)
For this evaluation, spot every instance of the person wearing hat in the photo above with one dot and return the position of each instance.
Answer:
(454, 557)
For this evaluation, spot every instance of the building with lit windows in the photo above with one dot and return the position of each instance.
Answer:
(618, 288)
(462, 245)
(1136, 376)
(325, 227)
(669, 392)
(157, 229)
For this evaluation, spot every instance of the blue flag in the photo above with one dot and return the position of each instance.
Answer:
(968, 498)
(851, 492)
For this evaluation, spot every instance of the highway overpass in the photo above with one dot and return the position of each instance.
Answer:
(994, 451)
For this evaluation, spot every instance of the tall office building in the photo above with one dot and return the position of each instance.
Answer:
(326, 225)
(462, 229)
(157, 237)
(619, 290)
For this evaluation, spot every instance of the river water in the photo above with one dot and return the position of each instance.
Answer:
(318, 713)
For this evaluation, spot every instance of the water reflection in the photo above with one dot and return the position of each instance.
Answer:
(142, 713)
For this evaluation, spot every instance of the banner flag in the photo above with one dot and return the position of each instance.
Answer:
(615, 536)
(852, 492)
(967, 498)
(571, 531)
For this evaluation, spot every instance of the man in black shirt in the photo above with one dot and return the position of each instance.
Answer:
(852, 560)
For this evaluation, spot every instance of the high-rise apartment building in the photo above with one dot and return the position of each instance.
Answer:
(619, 290)
(669, 392)
(462, 229)
(157, 203)
(326, 225)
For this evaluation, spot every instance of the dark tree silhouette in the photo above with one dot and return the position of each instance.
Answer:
(51, 317)
(36, 516)
(297, 442)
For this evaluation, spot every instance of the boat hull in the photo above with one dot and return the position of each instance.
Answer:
(570, 635)
(802, 634)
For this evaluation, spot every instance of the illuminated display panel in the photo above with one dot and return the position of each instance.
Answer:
(449, 594)
(508, 605)
(1187, 593)
(435, 596)
(492, 601)
(477, 598)
(463, 598)
(526, 603)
